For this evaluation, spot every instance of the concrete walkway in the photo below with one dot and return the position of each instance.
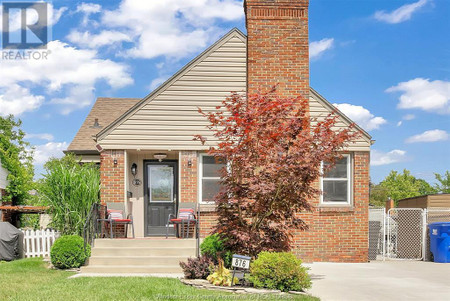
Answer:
(389, 280)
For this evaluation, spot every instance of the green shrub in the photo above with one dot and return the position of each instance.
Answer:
(68, 252)
(214, 248)
(279, 270)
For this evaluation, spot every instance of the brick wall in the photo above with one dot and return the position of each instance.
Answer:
(277, 46)
(208, 219)
(188, 176)
(339, 234)
(112, 176)
(336, 234)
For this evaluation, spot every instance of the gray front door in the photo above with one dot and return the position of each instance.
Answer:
(160, 196)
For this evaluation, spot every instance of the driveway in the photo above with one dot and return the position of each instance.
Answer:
(389, 280)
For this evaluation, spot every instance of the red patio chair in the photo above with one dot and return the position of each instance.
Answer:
(115, 217)
(186, 218)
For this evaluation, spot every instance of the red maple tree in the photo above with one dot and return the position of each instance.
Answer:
(274, 151)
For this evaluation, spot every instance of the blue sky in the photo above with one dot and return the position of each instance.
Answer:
(385, 64)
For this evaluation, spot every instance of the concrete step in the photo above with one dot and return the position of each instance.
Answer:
(143, 251)
(125, 269)
(149, 243)
(135, 260)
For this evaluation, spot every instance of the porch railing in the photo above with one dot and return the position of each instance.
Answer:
(90, 226)
(197, 232)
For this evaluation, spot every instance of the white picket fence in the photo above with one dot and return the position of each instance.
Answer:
(37, 243)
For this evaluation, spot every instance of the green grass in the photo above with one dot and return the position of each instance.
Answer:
(30, 279)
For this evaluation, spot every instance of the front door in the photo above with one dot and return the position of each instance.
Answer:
(160, 195)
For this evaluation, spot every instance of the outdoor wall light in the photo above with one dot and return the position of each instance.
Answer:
(189, 163)
(134, 169)
(115, 161)
(135, 182)
(160, 156)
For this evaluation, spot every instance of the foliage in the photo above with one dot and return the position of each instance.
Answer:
(16, 156)
(378, 195)
(444, 182)
(404, 185)
(70, 189)
(222, 276)
(30, 221)
(68, 252)
(213, 246)
(279, 270)
(274, 157)
(197, 267)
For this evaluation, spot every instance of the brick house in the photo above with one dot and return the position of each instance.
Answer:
(126, 135)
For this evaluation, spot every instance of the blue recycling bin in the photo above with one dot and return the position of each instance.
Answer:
(440, 241)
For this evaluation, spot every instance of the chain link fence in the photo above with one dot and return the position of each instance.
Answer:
(402, 233)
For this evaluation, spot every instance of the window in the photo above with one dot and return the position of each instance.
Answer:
(336, 183)
(209, 175)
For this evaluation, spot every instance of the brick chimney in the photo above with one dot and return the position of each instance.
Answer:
(277, 46)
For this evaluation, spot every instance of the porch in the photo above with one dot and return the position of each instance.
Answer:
(153, 185)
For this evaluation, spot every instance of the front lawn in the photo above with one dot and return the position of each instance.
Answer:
(29, 279)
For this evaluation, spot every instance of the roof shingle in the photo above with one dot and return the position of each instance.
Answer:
(106, 110)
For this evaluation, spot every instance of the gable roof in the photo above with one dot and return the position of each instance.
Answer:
(150, 122)
(106, 110)
(235, 32)
(313, 93)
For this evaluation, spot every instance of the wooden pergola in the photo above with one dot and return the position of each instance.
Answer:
(8, 211)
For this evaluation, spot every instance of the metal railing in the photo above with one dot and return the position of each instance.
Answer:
(90, 226)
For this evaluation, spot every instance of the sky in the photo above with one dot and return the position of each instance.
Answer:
(385, 64)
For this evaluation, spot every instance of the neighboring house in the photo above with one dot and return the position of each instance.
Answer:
(162, 124)
(3, 182)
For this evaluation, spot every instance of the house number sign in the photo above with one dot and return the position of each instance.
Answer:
(241, 262)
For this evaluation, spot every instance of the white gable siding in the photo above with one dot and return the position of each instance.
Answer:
(169, 120)
(320, 109)
(3, 175)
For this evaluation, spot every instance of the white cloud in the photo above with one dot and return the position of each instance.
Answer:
(17, 100)
(407, 117)
(105, 38)
(169, 28)
(88, 9)
(68, 71)
(429, 136)
(401, 14)
(361, 116)
(420, 93)
(157, 82)
(378, 158)
(77, 97)
(317, 48)
(51, 149)
(41, 136)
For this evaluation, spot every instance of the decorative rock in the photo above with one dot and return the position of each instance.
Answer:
(298, 293)
(204, 284)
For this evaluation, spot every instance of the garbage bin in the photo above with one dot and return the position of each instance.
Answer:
(440, 241)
